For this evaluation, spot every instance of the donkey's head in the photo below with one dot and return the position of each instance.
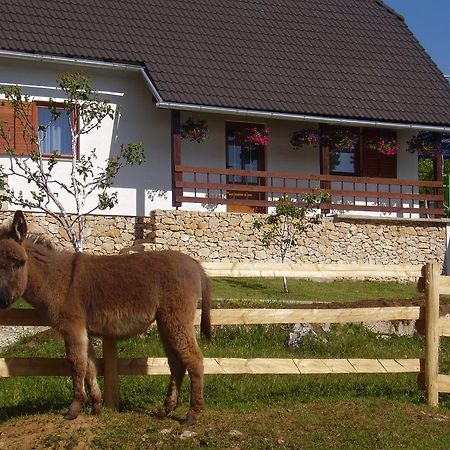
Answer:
(13, 261)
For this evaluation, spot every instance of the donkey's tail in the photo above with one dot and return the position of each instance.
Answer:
(205, 321)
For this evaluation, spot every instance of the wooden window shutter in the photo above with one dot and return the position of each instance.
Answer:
(7, 124)
(25, 133)
(16, 135)
(375, 164)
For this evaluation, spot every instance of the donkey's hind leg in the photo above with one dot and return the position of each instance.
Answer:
(91, 379)
(180, 335)
(177, 372)
(76, 342)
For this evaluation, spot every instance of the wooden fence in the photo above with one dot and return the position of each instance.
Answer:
(110, 366)
(259, 188)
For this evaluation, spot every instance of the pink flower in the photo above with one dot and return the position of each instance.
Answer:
(256, 136)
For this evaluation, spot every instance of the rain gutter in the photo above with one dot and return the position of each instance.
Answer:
(160, 103)
(300, 117)
(84, 63)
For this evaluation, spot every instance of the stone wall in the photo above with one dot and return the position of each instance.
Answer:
(231, 237)
(104, 234)
(212, 236)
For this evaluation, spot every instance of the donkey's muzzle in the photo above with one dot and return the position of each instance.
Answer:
(6, 299)
(5, 303)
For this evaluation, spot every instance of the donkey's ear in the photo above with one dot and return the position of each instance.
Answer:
(19, 227)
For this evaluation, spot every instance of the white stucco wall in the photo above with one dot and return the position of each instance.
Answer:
(147, 187)
(138, 120)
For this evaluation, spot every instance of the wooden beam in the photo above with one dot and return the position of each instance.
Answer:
(444, 383)
(255, 316)
(444, 285)
(23, 317)
(249, 316)
(311, 271)
(432, 275)
(175, 155)
(218, 366)
(110, 373)
(18, 367)
(324, 162)
(444, 326)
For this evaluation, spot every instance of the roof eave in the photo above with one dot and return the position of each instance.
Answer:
(301, 117)
(160, 103)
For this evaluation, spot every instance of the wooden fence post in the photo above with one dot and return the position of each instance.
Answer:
(432, 335)
(110, 373)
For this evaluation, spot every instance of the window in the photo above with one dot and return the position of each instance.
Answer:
(343, 161)
(344, 151)
(374, 164)
(58, 135)
(350, 153)
(242, 155)
(57, 139)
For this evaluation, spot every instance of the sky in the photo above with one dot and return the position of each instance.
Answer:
(429, 20)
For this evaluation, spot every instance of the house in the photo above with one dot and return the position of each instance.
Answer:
(341, 68)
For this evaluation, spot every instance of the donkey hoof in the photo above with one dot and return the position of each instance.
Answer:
(162, 413)
(70, 415)
(96, 409)
(190, 420)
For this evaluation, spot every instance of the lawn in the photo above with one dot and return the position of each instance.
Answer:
(310, 291)
(244, 411)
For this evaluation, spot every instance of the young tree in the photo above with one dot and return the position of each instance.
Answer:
(289, 220)
(84, 110)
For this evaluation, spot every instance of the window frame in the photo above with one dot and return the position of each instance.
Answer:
(357, 153)
(75, 126)
(261, 161)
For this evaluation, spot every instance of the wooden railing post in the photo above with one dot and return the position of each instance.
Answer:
(432, 335)
(110, 373)
(175, 156)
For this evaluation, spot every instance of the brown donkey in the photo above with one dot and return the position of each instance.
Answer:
(110, 296)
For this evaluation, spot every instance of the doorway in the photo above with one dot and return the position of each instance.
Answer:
(243, 155)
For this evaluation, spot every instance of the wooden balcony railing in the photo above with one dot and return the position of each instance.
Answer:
(213, 186)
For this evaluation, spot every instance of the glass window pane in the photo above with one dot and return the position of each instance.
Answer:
(241, 156)
(58, 136)
(342, 161)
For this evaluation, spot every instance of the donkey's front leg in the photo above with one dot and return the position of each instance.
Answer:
(76, 342)
(91, 379)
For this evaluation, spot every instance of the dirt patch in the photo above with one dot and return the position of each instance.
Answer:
(340, 424)
(49, 431)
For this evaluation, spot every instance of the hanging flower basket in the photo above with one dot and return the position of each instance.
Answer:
(194, 130)
(256, 136)
(306, 136)
(425, 144)
(384, 146)
(341, 140)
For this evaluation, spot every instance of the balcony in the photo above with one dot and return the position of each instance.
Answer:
(257, 190)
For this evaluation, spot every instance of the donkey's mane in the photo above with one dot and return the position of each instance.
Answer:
(39, 239)
(5, 229)
(32, 238)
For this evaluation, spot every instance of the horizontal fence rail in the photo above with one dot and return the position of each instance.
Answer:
(110, 366)
(256, 188)
(14, 367)
(312, 271)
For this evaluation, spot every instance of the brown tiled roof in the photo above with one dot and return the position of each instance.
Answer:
(339, 58)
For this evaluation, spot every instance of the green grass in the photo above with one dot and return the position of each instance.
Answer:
(276, 411)
(243, 391)
(329, 411)
(306, 290)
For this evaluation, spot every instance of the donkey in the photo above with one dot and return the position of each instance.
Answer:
(118, 296)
